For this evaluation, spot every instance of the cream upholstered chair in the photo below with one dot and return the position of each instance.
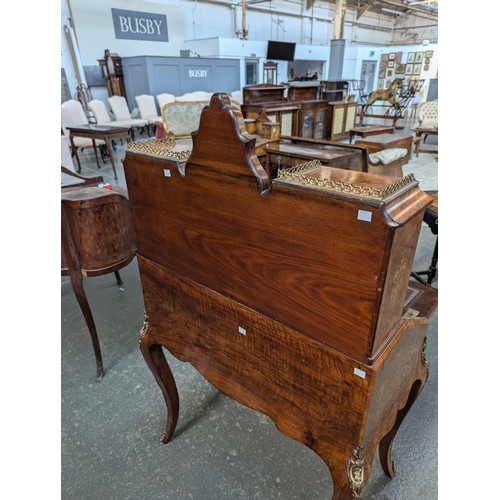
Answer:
(198, 95)
(120, 110)
(102, 117)
(147, 109)
(164, 99)
(427, 120)
(237, 96)
(428, 114)
(182, 118)
(72, 113)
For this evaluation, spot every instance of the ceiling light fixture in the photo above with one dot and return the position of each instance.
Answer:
(392, 11)
(419, 2)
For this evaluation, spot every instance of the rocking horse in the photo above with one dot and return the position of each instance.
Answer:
(390, 94)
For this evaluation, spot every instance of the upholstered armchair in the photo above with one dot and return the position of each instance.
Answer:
(428, 115)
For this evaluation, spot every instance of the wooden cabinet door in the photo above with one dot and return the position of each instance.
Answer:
(319, 124)
(350, 116)
(338, 119)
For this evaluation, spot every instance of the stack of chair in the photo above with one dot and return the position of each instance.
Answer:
(122, 118)
(72, 114)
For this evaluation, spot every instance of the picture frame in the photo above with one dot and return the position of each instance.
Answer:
(426, 67)
(399, 57)
(419, 56)
(417, 68)
(427, 60)
(381, 74)
(390, 73)
(392, 56)
(391, 64)
(381, 84)
(409, 69)
(400, 69)
(429, 53)
(410, 58)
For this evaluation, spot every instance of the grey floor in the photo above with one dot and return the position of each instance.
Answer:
(110, 440)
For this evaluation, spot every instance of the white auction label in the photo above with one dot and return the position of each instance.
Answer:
(364, 215)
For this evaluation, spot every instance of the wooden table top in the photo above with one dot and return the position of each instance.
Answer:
(98, 129)
(384, 139)
(299, 151)
(360, 129)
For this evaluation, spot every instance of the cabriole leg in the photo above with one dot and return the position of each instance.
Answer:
(155, 359)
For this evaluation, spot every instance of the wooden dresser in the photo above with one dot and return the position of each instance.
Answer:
(290, 295)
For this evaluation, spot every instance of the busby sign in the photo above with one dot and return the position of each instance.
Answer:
(133, 25)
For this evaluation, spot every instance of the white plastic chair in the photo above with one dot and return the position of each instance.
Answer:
(72, 113)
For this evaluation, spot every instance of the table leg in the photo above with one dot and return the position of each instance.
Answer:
(95, 153)
(416, 141)
(74, 149)
(110, 151)
(77, 285)
(433, 268)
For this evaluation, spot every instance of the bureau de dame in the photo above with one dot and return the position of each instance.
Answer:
(291, 294)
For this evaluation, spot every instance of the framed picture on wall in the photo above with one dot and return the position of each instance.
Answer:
(429, 53)
(399, 57)
(392, 56)
(409, 69)
(390, 73)
(381, 74)
(426, 67)
(390, 64)
(416, 69)
(419, 56)
(381, 84)
(400, 69)
(411, 57)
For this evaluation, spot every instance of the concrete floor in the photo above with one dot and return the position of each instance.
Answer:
(110, 440)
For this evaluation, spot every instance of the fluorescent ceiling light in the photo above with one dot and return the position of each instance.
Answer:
(392, 11)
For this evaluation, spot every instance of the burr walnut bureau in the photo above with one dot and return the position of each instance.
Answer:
(290, 295)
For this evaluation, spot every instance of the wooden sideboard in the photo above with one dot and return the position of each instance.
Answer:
(300, 112)
(290, 295)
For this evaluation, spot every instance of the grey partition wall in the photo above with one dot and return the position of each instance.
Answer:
(177, 75)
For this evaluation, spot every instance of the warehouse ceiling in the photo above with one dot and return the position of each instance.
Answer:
(428, 8)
